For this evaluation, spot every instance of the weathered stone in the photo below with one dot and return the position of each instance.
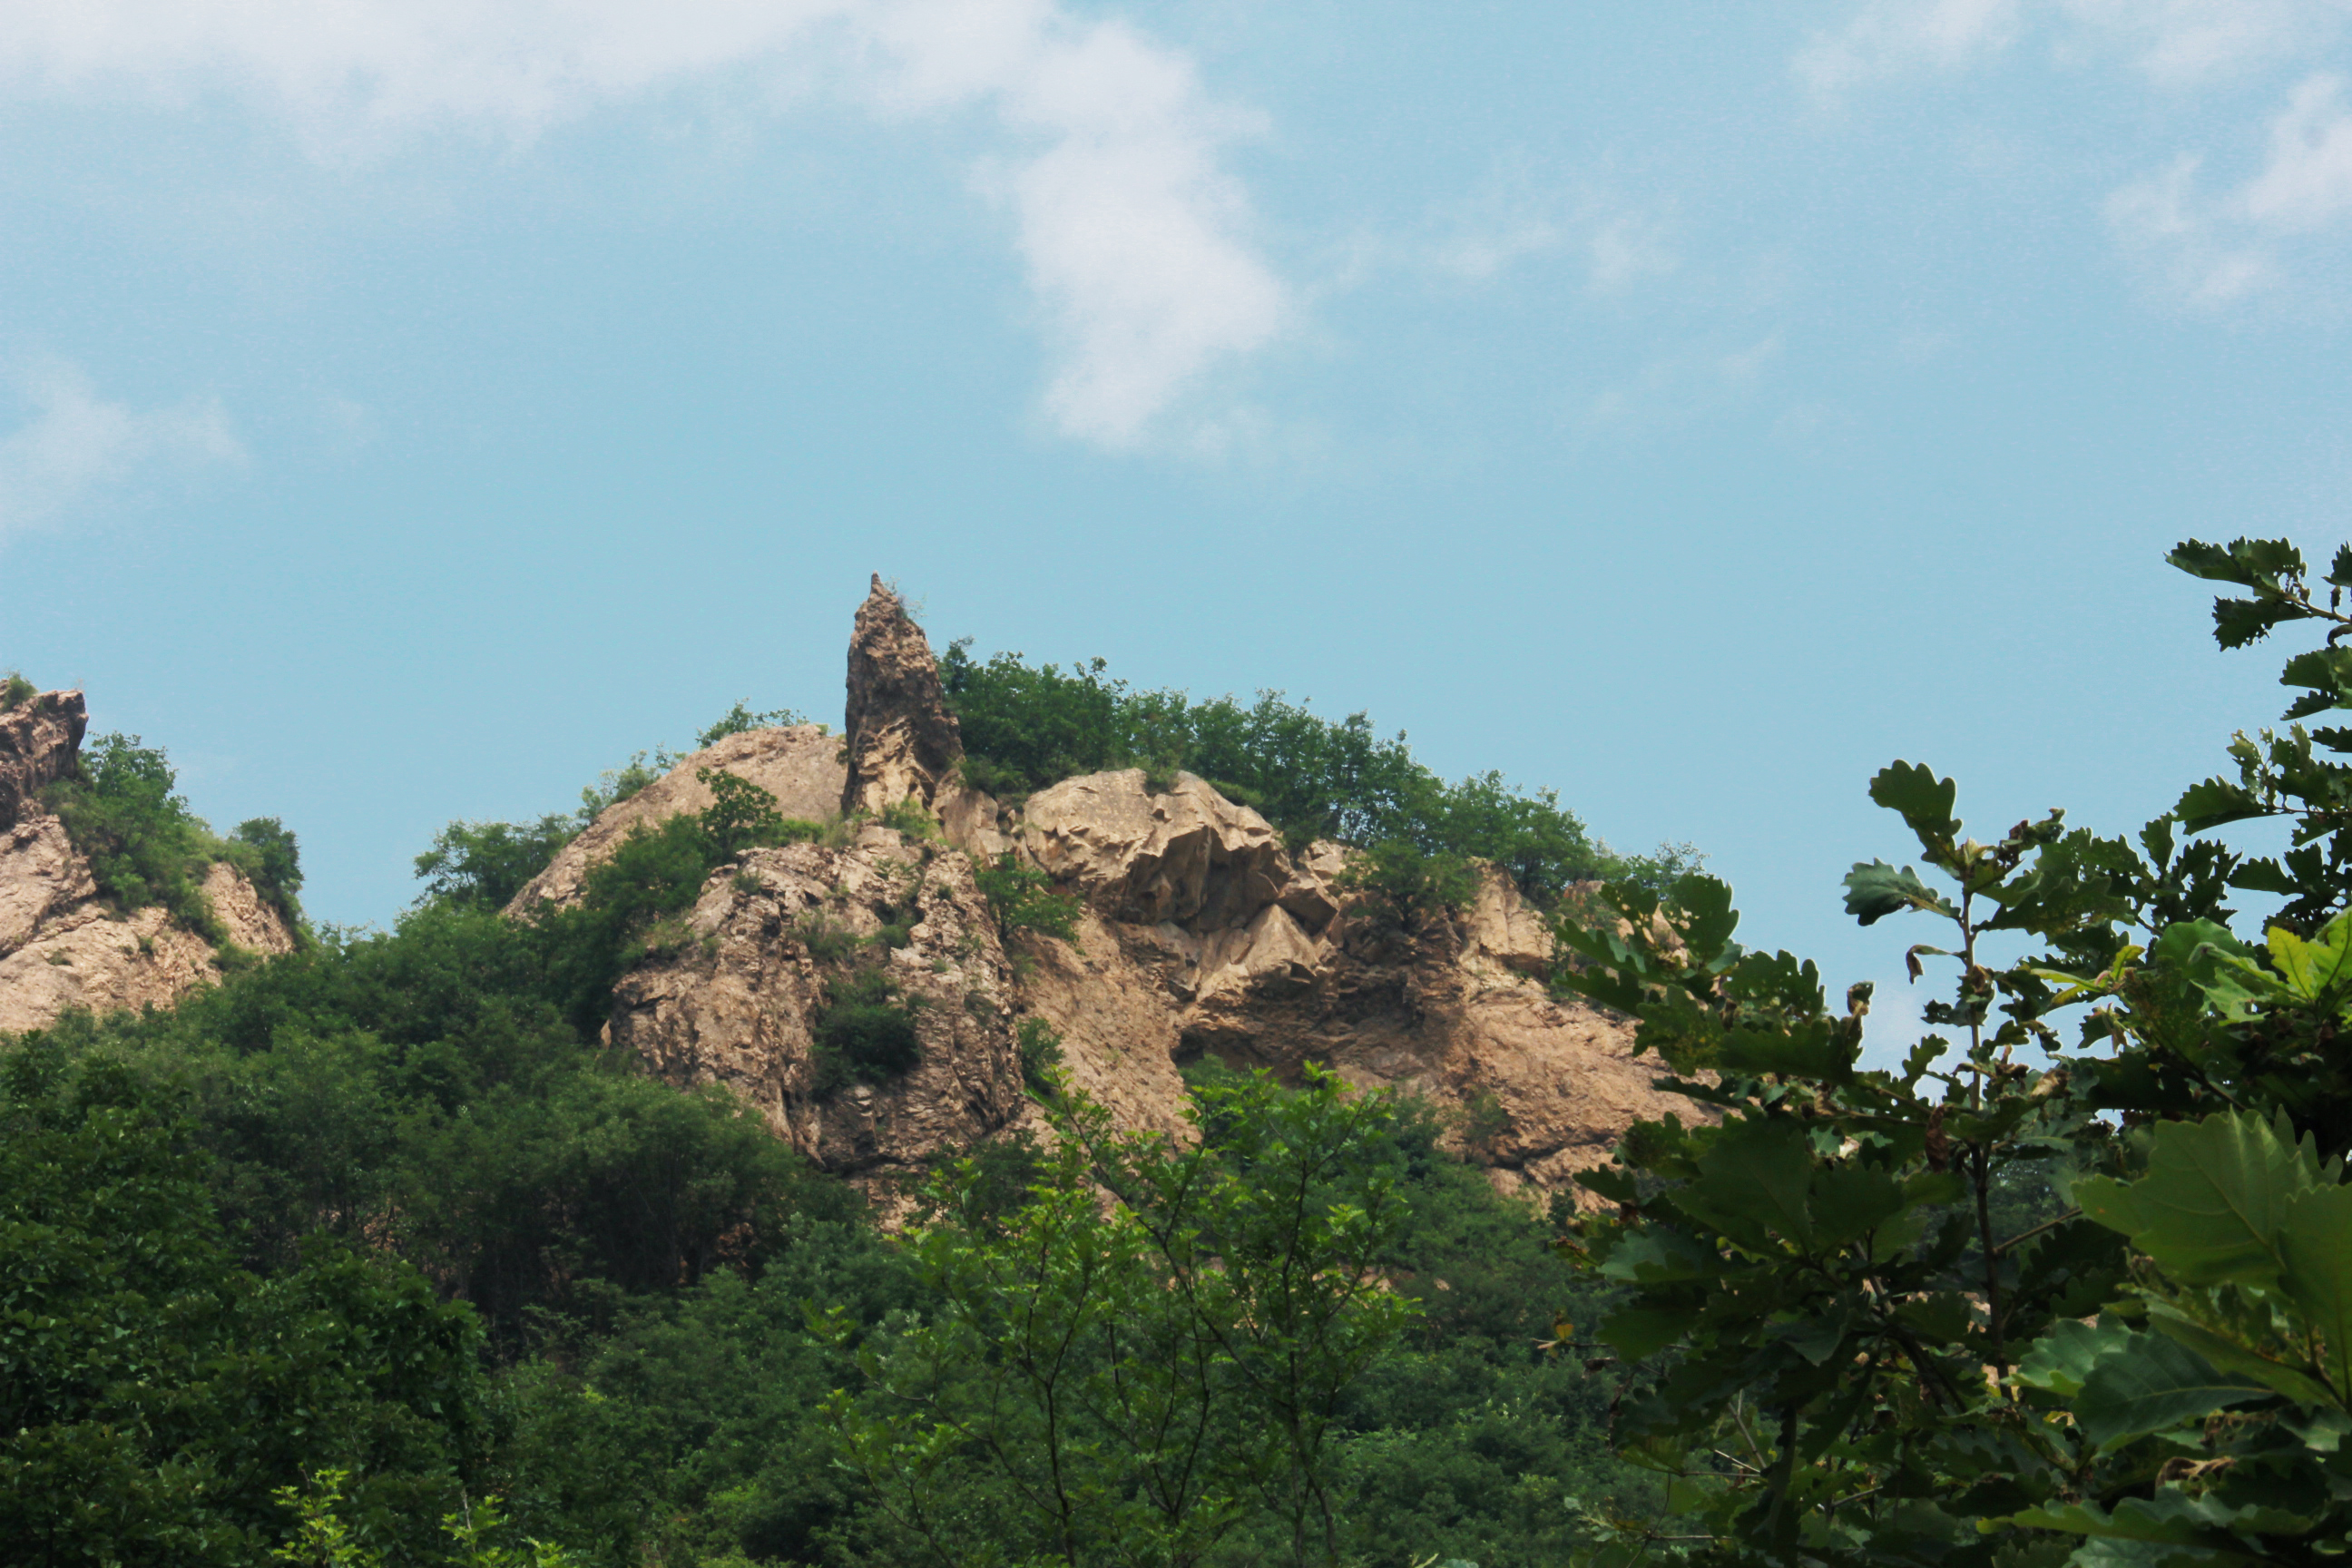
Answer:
(39, 739)
(41, 876)
(801, 766)
(738, 999)
(900, 740)
(84, 954)
(1183, 855)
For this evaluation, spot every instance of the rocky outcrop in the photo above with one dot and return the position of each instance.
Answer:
(1185, 854)
(800, 765)
(39, 739)
(901, 742)
(92, 956)
(1202, 934)
(742, 996)
(62, 945)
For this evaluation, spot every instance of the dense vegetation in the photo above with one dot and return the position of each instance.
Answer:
(321, 1260)
(1027, 726)
(1857, 1356)
(368, 1234)
(145, 847)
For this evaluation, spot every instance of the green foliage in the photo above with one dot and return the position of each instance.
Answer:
(741, 814)
(146, 846)
(1023, 899)
(741, 718)
(1412, 881)
(1146, 1383)
(421, 1087)
(15, 688)
(1857, 1360)
(483, 865)
(865, 1031)
(909, 817)
(265, 850)
(614, 785)
(324, 1538)
(152, 1393)
(1025, 727)
(1040, 1044)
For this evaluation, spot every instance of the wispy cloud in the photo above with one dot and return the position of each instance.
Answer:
(1520, 214)
(1887, 37)
(2172, 42)
(2211, 251)
(1109, 150)
(78, 444)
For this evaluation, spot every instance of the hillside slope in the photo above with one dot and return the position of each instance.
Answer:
(1200, 934)
(64, 944)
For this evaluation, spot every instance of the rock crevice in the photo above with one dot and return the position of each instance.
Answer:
(62, 944)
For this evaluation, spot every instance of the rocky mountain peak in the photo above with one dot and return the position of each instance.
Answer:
(901, 741)
(39, 739)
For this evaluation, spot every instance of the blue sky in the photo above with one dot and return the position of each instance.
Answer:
(409, 408)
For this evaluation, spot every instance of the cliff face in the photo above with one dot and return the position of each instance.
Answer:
(63, 946)
(901, 741)
(775, 941)
(1202, 934)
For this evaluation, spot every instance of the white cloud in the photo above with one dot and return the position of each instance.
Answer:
(2173, 42)
(78, 444)
(1890, 35)
(1133, 234)
(2307, 183)
(2212, 250)
(2178, 42)
(1519, 213)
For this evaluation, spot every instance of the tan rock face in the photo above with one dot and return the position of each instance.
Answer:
(80, 952)
(41, 876)
(88, 959)
(901, 739)
(801, 766)
(39, 739)
(1202, 934)
(62, 946)
(740, 999)
(1186, 855)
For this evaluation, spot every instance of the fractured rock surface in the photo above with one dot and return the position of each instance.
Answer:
(740, 999)
(1202, 934)
(39, 739)
(62, 945)
(801, 766)
(901, 739)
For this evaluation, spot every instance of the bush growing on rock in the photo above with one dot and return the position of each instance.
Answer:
(1021, 897)
(741, 718)
(866, 1031)
(1025, 727)
(145, 845)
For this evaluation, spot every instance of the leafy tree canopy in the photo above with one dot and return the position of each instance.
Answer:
(1856, 1358)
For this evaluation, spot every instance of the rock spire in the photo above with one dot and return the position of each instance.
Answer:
(900, 739)
(39, 739)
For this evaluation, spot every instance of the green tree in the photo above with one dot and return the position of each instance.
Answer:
(1140, 1385)
(152, 1393)
(1851, 1359)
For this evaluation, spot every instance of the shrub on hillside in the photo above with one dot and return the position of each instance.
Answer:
(865, 1031)
(741, 718)
(1025, 727)
(145, 846)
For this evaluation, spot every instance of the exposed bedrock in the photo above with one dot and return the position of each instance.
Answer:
(1202, 934)
(62, 944)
